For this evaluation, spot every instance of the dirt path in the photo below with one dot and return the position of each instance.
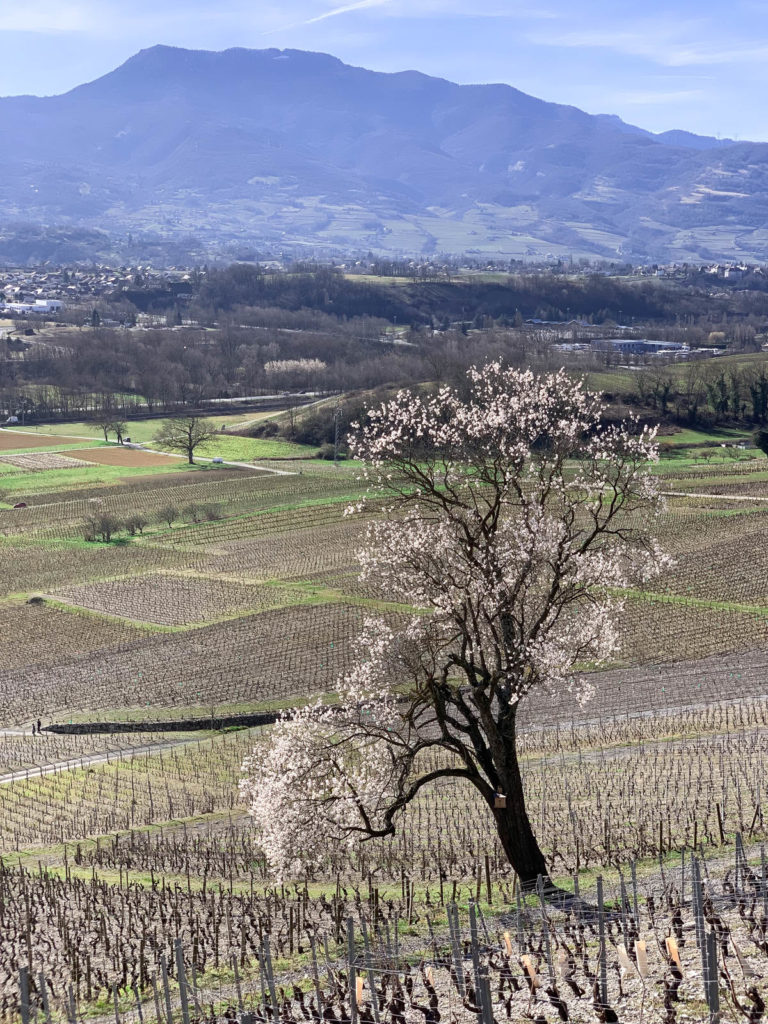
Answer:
(73, 763)
(727, 497)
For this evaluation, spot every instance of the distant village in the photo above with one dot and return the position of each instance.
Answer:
(43, 292)
(48, 291)
(91, 296)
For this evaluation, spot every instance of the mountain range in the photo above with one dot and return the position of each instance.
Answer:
(266, 150)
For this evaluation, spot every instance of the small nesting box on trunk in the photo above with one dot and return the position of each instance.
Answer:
(499, 801)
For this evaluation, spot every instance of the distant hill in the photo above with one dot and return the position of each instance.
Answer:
(274, 148)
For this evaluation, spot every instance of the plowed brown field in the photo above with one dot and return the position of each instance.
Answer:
(11, 440)
(117, 456)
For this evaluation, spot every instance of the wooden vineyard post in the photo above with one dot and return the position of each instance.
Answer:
(486, 999)
(315, 973)
(453, 924)
(139, 1010)
(519, 923)
(711, 979)
(698, 915)
(545, 930)
(156, 994)
(24, 992)
(603, 951)
(238, 986)
(369, 965)
(482, 986)
(72, 1008)
(474, 947)
(351, 974)
(166, 988)
(181, 977)
(260, 957)
(742, 866)
(44, 997)
(624, 903)
(270, 975)
(720, 824)
(432, 939)
(388, 947)
(485, 926)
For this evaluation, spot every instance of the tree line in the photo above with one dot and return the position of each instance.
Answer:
(703, 394)
(245, 331)
(424, 300)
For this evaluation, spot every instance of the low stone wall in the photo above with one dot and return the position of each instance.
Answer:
(175, 725)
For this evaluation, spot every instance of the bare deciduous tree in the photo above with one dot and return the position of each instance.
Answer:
(167, 514)
(184, 434)
(103, 525)
(105, 422)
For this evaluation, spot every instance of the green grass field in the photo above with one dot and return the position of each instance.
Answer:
(623, 381)
(17, 483)
(233, 448)
(250, 449)
(687, 437)
(611, 382)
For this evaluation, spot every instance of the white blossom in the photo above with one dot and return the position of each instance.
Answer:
(516, 519)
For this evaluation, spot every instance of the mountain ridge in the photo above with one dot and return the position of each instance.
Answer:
(288, 148)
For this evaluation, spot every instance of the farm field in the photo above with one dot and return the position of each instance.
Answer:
(45, 460)
(140, 430)
(251, 449)
(238, 591)
(685, 437)
(173, 599)
(232, 447)
(18, 440)
(118, 455)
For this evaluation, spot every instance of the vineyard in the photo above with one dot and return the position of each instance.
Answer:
(131, 880)
(46, 460)
(173, 600)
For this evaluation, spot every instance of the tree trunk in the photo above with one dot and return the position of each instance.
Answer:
(190, 454)
(512, 822)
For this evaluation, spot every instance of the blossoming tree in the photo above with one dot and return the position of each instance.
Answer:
(516, 517)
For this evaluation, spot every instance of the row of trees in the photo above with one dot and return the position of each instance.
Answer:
(589, 295)
(121, 373)
(242, 325)
(706, 393)
(104, 526)
(110, 422)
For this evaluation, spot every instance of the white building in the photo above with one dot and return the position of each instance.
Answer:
(38, 306)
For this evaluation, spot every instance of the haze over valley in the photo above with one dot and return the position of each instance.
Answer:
(202, 153)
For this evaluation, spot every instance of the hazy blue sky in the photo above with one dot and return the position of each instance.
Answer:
(697, 65)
